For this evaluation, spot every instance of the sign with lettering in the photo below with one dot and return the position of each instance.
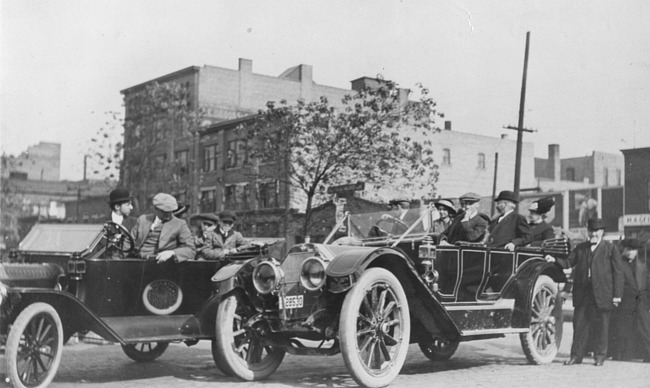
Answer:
(636, 219)
(359, 186)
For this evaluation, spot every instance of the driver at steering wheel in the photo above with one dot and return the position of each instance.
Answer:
(403, 216)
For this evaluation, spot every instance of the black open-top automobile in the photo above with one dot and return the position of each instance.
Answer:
(69, 278)
(384, 286)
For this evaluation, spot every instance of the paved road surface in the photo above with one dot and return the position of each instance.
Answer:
(491, 363)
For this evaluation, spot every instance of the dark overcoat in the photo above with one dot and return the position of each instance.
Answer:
(513, 228)
(541, 232)
(175, 235)
(471, 230)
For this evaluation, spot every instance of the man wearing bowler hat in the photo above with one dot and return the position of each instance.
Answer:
(162, 234)
(120, 202)
(509, 229)
(226, 240)
(631, 320)
(469, 224)
(597, 289)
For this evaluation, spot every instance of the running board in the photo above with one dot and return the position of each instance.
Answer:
(490, 332)
(154, 328)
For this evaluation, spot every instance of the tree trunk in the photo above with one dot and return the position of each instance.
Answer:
(306, 228)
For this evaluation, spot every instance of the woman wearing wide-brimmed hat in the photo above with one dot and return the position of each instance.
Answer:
(447, 211)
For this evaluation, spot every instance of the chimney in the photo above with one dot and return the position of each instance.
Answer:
(245, 65)
(447, 125)
(554, 167)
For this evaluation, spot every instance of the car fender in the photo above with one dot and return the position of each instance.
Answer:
(423, 304)
(75, 316)
(522, 286)
(226, 278)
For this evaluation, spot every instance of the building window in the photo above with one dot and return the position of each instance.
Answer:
(605, 177)
(208, 200)
(571, 174)
(237, 155)
(481, 161)
(446, 156)
(268, 195)
(209, 158)
(182, 160)
(237, 197)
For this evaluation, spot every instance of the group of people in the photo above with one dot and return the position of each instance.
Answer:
(166, 236)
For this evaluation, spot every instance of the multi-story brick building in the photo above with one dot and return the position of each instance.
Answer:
(40, 162)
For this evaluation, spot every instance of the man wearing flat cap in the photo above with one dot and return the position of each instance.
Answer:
(226, 240)
(120, 202)
(597, 288)
(509, 229)
(539, 229)
(469, 224)
(162, 234)
(631, 320)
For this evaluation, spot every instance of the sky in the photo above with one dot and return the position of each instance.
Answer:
(63, 62)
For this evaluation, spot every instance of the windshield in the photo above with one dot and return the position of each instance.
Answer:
(388, 224)
(64, 238)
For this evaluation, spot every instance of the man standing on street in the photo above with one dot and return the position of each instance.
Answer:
(120, 202)
(597, 289)
(631, 320)
(509, 229)
(162, 234)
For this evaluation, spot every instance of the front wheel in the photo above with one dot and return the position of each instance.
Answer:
(34, 346)
(375, 328)
(238, 349)
(541, 343)
(438, 349)
(145, 351)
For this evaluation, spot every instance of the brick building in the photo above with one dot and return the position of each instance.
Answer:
(40, 162)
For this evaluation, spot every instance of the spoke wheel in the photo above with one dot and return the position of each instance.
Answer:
(145, 351)
(375, 328)
(438, 349)
(541, 343)
(34, 346)
(238, 349)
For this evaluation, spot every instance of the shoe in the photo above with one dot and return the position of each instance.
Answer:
(599, 361)
(573, 361)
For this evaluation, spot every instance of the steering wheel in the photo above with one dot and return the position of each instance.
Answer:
(118, 237)
(377, 231)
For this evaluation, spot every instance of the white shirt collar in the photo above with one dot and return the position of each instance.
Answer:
(117, 218)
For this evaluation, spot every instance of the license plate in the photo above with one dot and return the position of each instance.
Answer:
(292, 302)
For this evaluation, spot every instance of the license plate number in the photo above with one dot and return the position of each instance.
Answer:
(292, 302)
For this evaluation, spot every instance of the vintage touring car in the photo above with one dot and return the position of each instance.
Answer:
(78, 278)
(372, 293)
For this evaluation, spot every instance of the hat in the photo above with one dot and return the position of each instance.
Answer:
(542, 205)
(595, 224)
(119, 195)
(165, 202)
(632, 243)
(446, 204)
(181, 209)
(206, 217)
(470, 197)
(227, 215)
(506, 195)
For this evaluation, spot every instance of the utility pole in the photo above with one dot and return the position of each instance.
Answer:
(494, 183)
(520, 125)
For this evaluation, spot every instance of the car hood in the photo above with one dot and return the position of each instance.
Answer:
(30, 275)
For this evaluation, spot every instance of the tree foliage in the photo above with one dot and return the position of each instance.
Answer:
(141, 145)
(376, 135)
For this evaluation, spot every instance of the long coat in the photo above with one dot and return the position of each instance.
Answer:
(175, 236)
(607, 277)
(513, 228)
(215, 245)
(471, 230)
(635, 288)
(541, 232)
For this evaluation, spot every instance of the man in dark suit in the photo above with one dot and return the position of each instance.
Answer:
(631, 320)
(224, 240)
(597, 289)
(469, 224)
(162, 234)
(509, 229)
(121, 204)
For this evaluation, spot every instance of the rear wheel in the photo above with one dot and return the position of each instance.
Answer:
(438, 349)
(238, 349)
(541, 343)
(145, 351)
(34, 346)
(375, 328)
